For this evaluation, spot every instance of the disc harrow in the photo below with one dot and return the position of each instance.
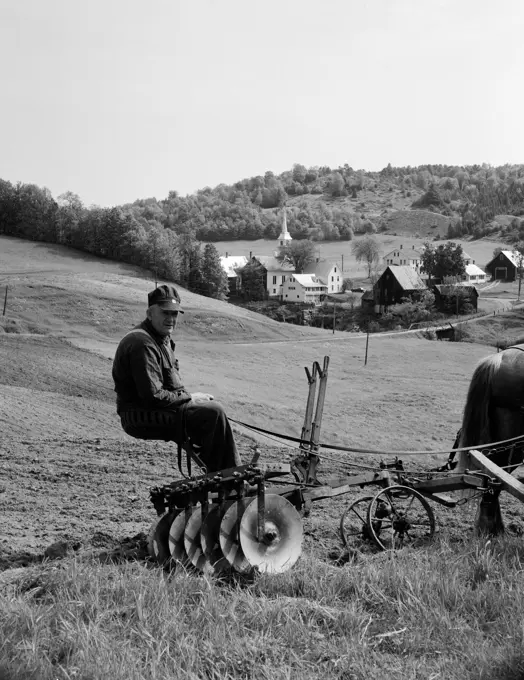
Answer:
(221, 521)
(234, 520)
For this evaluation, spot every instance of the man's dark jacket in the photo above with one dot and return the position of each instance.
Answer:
(145, 371)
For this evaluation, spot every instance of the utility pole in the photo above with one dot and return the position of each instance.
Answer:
(5, 299)
(334, 319)
(520, 263)
(367, 344)
(342, 263)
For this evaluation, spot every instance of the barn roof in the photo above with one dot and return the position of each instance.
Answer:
(449, 290)
(473, 270)
(511, 255)
(309, 281)
(321, 269)
(232, 262)
(407, 277)
(273, 265)
(409, 253)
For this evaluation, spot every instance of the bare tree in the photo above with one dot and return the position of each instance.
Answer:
(367, 250)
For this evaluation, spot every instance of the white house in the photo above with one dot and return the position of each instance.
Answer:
(276, 273)
(475, 274)
(303, 288)
(409, 257)
(230, 263)
(328, 273)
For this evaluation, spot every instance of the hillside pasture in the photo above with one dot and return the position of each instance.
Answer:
(95, 608)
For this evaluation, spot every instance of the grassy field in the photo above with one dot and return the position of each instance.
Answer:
(452, 612)
(68, 473)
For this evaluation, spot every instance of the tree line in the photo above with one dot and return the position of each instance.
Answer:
(29, 212)
(164, 235)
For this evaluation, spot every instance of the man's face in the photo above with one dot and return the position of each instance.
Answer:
(163, 320)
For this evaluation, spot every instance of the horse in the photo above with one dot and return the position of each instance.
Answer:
(494, 412)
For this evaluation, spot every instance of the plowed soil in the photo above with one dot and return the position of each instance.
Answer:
(69, 476)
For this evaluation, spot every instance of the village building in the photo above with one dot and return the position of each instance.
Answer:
(303, 288)
(231, 264)
(504, 266)
(452, 298)
(395, 283)
(274, 273)
(329, 273)
(410, 257)
(475, 274)
(284, 236)
(367, 301)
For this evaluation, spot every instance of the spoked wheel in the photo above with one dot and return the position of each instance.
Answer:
(400, 516)
(354, 522)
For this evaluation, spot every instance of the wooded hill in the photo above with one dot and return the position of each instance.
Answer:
(321, 203)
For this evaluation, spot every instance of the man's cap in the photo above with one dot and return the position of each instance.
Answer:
(165, 296)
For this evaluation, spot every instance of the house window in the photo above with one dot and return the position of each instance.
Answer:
(335, 270)
(283, 279)
(332, 278)
(274, 291)
(274, 280)
(286, 295)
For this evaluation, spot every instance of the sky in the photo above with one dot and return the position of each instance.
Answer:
(118, 100)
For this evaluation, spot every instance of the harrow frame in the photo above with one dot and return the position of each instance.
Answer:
(397, 515)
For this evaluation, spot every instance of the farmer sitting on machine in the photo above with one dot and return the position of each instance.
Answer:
(151, 400)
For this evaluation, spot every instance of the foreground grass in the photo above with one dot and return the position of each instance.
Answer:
(440, 613)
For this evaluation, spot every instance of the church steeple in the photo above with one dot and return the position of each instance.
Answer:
(285, 237)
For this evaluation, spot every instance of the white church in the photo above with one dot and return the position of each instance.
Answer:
(282, 282)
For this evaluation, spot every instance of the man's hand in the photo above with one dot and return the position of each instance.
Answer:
(197, 397)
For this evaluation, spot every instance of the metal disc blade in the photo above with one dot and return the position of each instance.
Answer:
(210, 538)
(192, 540)
(150, 544)
(280, 544)
(176, 539)
(229, 536)
(158, 538)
